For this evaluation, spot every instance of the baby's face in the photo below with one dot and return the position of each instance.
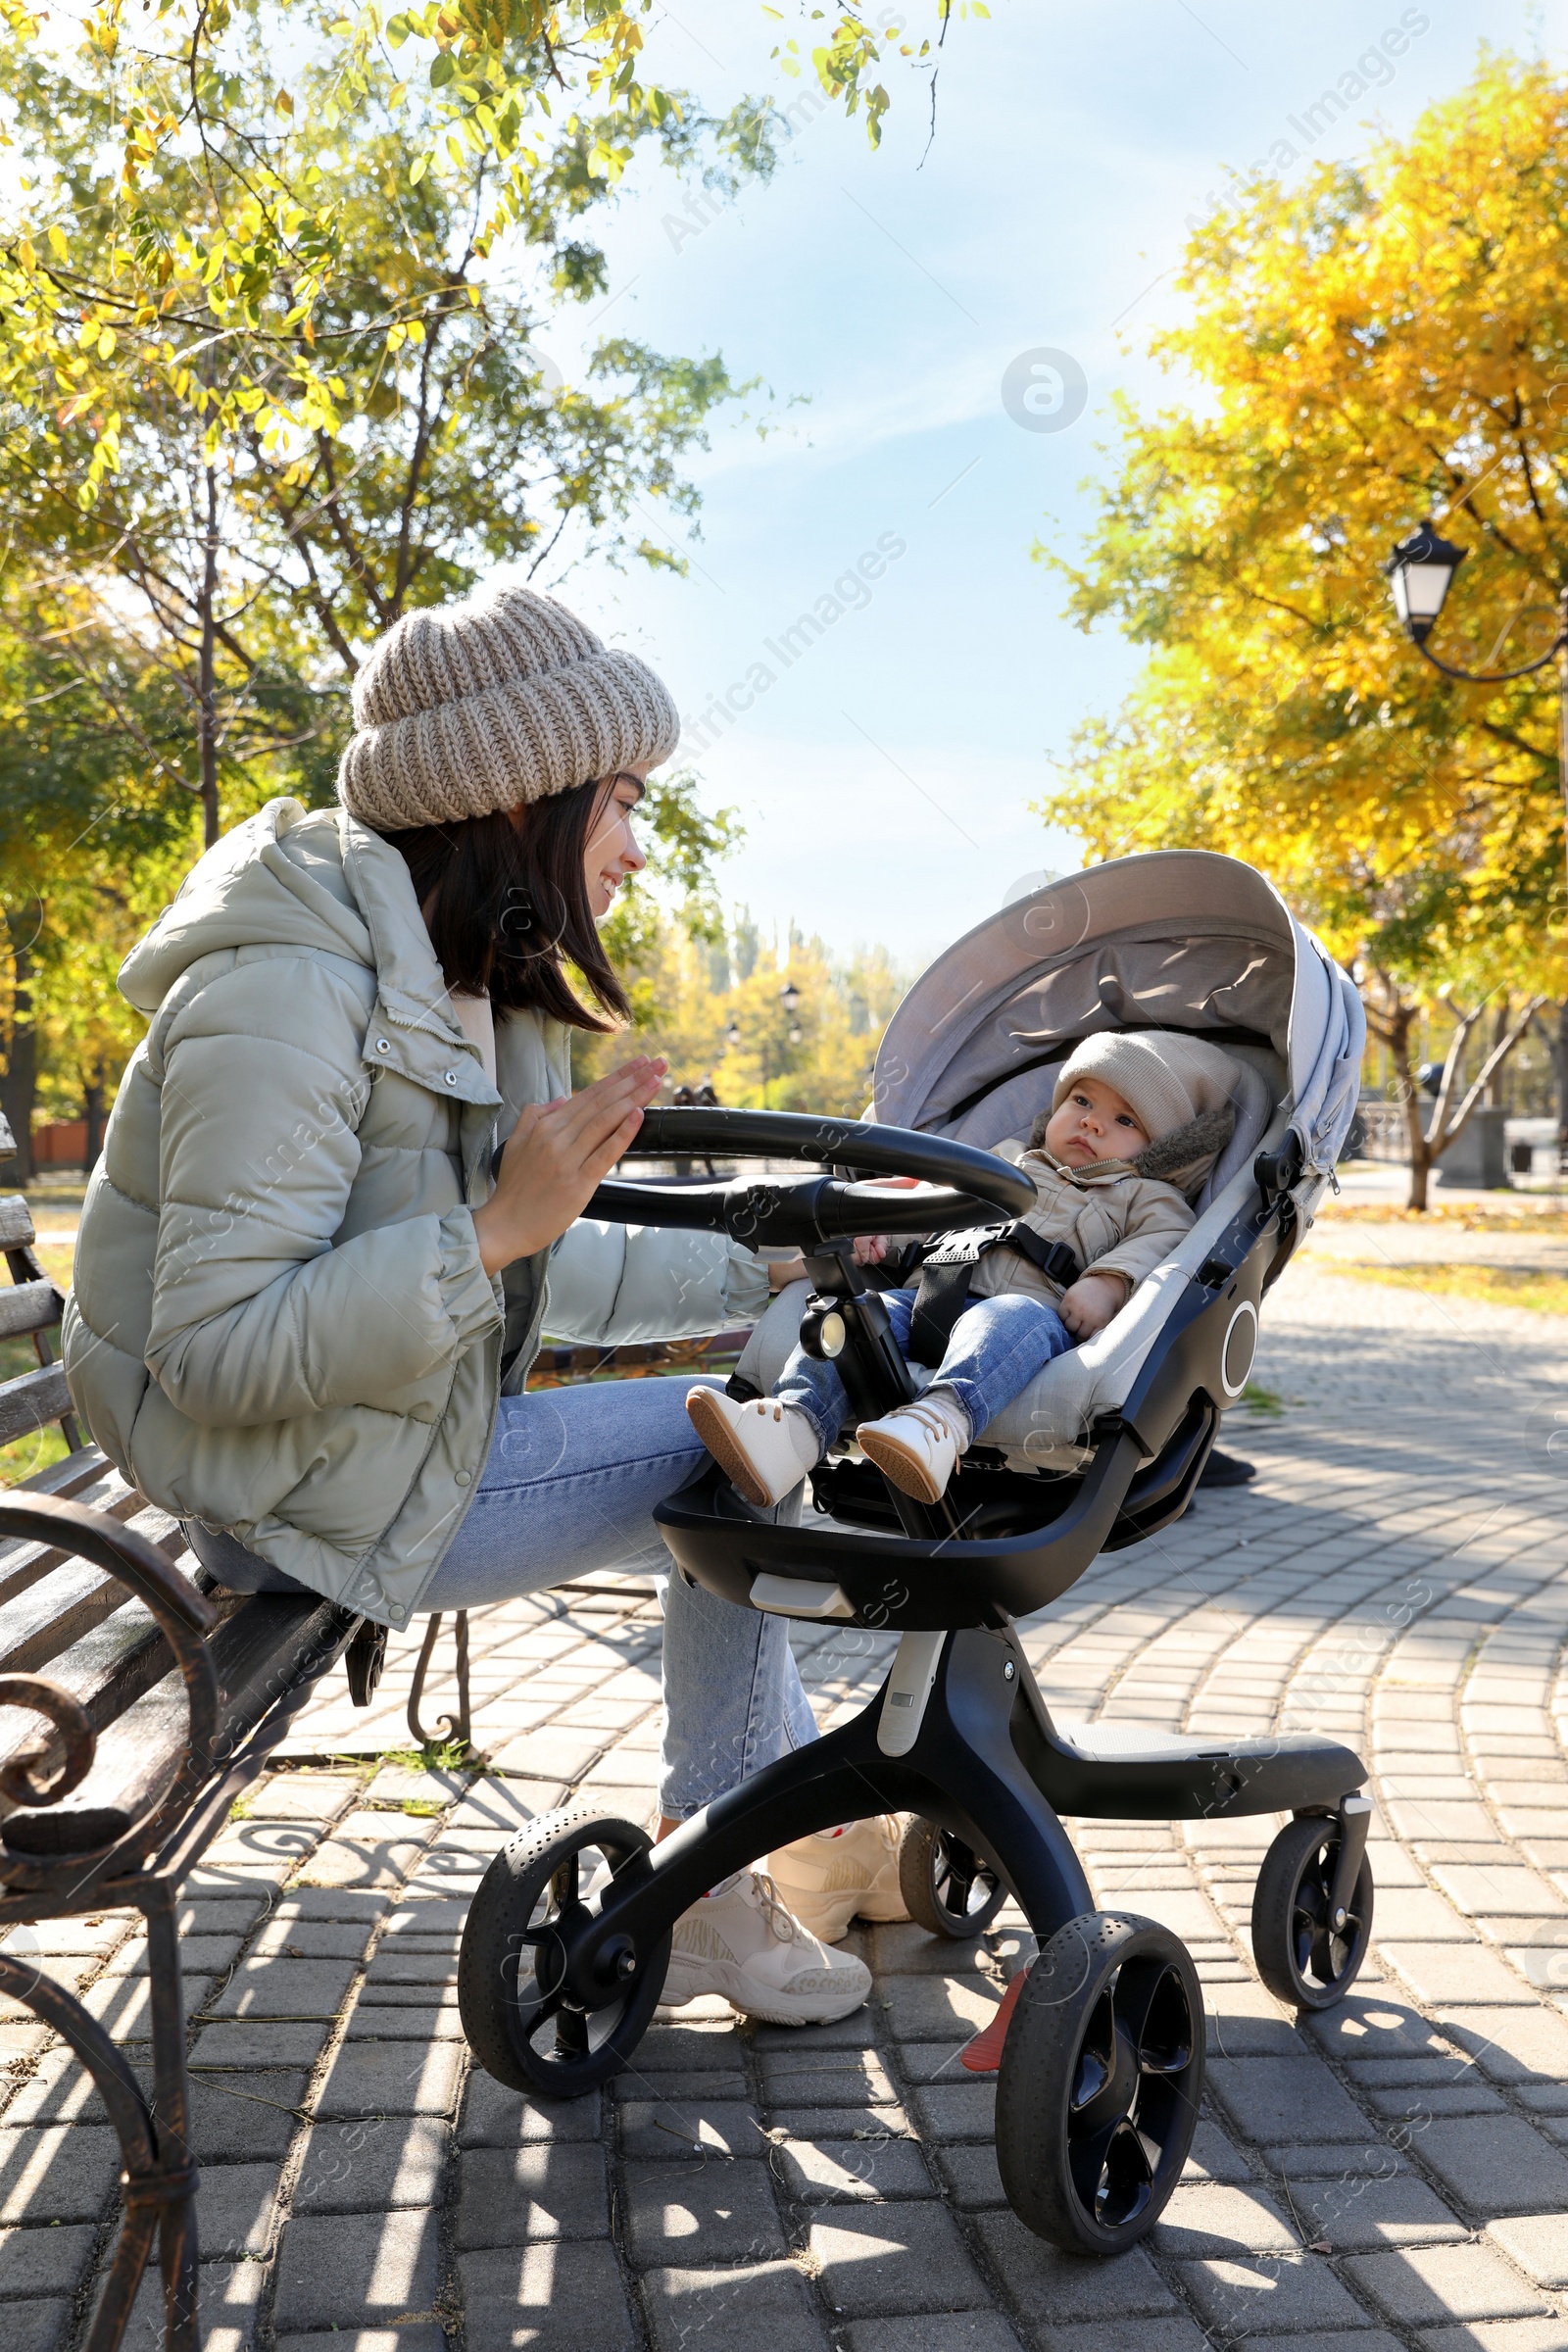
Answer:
(1093, 1123)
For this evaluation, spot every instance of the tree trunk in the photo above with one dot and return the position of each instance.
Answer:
(92, 1101)
(20, 1085)
(1560, 1066)
(207, 707)
(1493, 1096)
(1420, 1164)
(1401, 1020)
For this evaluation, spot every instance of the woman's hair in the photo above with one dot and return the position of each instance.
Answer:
(506, 902)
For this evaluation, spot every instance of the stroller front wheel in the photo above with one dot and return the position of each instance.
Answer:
(1101, 2077)
(1300, 1955)
(947, 1887)
(511, 1978)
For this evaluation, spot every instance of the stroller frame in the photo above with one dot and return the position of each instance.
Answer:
(1102, 2068)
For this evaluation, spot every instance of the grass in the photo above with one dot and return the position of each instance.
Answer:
(440, 1755)
(1488, 1286)
(1461, 1217)
(42, 1447)
(1259, 1399)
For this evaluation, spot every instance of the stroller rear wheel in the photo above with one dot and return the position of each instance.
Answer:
(1101, 2078)
(1301, 1955)
(947, 1888)
(517, 2021)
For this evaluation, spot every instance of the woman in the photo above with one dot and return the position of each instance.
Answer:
(302, 1317)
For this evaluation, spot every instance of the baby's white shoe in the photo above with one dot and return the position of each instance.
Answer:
(764, 1447)
(918, 1446)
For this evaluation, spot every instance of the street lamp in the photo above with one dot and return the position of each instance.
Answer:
(789, 996)
(1419, 572)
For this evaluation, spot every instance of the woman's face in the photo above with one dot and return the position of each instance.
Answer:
(612, 853)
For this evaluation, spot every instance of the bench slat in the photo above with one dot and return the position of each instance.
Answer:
(28, 1306)
(135, 1760)
(42, 1622)
(16, 1222)
(257, 1653)
(33, 1400)
(69, 1478)
(24, 1563)
(106, 1671)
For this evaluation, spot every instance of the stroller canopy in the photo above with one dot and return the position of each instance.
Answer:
(1178, 939)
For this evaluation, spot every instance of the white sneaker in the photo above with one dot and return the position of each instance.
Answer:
(742, 1942)
(839, 1875)
(764, 1447)
(918, 1446)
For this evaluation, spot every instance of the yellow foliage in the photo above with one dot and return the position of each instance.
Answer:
(1375, 346)
(686, 996)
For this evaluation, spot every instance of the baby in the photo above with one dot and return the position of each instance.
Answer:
(1136, 1121)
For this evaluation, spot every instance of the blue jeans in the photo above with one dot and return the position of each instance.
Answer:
(568, 1487)
(996, 1348)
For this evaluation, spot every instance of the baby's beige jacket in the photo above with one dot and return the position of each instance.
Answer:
(1113, 1219)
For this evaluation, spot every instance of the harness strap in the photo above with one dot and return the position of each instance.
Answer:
(948, 1269)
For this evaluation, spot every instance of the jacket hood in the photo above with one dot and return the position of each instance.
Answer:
(287, 877)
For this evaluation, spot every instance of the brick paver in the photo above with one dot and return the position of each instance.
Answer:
(1393, 2173)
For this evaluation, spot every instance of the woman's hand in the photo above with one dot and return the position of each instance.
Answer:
(1092, 1302)
(556, 1156)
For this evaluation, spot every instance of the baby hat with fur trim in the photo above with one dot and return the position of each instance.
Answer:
(1165, 1077)
(506, 696)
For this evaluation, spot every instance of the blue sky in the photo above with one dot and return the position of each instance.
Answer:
(886, 772)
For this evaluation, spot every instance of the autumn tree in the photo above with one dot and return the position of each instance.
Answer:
(270, 284)
(90, 846)
(275, 382)
(711, 1001)
(1381, 344)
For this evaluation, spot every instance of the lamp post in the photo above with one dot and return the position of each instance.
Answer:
(1420, 572)
(789, 996)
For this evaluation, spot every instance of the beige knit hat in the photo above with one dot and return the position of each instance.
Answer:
(507, 697)
(1165, 1077)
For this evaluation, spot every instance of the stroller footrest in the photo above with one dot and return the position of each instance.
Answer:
(1135, 1743)
(1127, 1771)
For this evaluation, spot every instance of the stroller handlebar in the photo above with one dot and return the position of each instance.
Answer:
(856, 1144)
(971, 1187)
(844, 1144)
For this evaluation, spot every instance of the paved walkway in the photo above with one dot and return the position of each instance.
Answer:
(1395, 2174)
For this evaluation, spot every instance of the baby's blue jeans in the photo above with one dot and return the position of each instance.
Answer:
(996, 1348)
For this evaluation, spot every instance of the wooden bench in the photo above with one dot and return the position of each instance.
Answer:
(159, 1698)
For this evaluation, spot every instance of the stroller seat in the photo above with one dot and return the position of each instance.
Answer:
(1102, 2061)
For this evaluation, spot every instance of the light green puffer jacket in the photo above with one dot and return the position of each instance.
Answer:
(280, 1324)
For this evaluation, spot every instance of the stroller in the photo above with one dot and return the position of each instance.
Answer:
(1102, 2069)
